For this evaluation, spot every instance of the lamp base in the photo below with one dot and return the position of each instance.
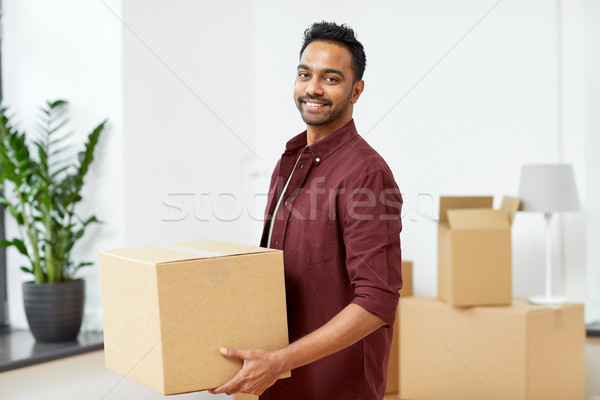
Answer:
(547, 301)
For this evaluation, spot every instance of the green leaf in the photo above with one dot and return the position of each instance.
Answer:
(60, 150)
(26, 269)
(64, 137)
(42, 154)
(8, 169)
(57, 103)
(4, 202)
(60, 125)
(90, 220)
(18, 243)
(39, 131)
(20, 219)
(86, 157)
(84, 264)
(58, 172)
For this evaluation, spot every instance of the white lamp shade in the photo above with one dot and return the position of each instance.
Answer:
(548, 188)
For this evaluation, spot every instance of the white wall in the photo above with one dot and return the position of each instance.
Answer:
(199, 95)
(571, 227)
(592, 161)
(70, 50)
(188, 107)
(458, 96)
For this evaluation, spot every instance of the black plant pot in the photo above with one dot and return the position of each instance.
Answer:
(54, 310)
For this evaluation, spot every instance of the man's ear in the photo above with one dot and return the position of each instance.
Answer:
(357, 89)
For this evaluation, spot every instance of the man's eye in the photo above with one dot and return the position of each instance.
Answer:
(331, 79)
(303, 75)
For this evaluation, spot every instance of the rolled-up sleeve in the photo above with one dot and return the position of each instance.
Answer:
(371, 231)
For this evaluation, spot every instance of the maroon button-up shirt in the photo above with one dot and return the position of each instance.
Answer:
(339, 227)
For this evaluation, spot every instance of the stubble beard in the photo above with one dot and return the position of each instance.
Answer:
(328, 117)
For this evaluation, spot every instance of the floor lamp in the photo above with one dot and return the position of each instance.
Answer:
(549, 189)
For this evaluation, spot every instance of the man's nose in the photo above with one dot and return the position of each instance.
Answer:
(314, 88)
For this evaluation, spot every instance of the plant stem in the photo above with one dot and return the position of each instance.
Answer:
(50, 267)
(48, 255)
(36, 264)
(66, 239)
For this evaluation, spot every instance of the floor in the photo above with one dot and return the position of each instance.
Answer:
(592, 372)
(80, 377)
(19, 349)
(84, 377)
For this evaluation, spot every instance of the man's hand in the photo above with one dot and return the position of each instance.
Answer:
(260, 371)
(262, 368)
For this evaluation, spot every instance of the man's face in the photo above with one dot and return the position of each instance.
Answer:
(324, 91)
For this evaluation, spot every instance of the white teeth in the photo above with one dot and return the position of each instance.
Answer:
(313, 104)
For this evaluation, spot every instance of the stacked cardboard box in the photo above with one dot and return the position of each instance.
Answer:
(475, 341)
(168, 309)
(474, 251)
(394, 364)
(517, 352)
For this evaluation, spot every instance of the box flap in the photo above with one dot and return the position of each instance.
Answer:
(510, 205)
(461, 202)
(184, 251)
(457, 202)
(477, 219)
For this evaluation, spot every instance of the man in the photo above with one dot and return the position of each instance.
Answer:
(334, 209)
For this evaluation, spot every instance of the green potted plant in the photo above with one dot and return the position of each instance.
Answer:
(40, 186)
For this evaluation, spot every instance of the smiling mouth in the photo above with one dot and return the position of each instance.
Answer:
(313, 104)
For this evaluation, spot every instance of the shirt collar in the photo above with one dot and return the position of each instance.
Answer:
(324, 147)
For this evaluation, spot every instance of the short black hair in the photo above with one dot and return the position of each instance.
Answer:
(342, 35)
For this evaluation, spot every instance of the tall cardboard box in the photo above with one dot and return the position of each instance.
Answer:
(518, 352)
(474, 251)
(394, 364)
(167, 311)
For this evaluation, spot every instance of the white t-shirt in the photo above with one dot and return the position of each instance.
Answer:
(279, 201)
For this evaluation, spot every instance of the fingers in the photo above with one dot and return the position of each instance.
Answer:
(227, 387)
(232, 386)
(223, 389)
(243, 382)
(234, 353)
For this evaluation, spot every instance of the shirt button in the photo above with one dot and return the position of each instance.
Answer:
(301, 166)
(285, 203)
(277, 242)
(317, 159)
